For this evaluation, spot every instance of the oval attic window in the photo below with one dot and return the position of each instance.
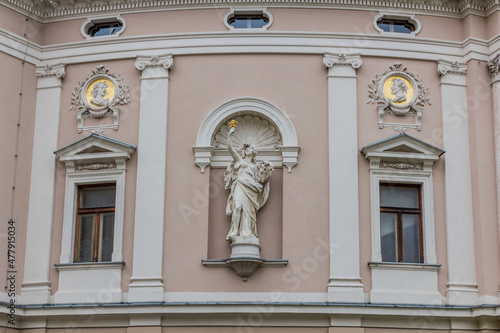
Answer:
(248, 21)
(401, 26)
(105, 29)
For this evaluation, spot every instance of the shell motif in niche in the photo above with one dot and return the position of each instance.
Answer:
(250, 129)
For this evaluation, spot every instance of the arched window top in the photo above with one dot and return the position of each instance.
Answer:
(206, 153)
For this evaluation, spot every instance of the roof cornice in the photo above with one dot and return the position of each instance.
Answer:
(54, 10)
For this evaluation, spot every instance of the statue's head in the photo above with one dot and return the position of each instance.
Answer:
(398, 85)
(264, 171)
(249, 149)
(99, 89)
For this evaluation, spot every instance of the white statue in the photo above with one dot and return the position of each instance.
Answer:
(249, 184)
(399, 89)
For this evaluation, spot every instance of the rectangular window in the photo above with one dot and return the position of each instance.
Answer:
(95, 219)
(401, 223)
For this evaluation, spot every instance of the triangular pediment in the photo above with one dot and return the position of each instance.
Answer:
(95, 148)
(402, 147)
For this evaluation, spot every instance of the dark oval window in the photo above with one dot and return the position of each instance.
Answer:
(241, 21)
(399, 26)
(105, 29)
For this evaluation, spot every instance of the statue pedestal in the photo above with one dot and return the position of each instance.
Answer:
(245, 247)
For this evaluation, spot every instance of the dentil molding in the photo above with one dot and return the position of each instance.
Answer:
(58, 70)
(51, 10)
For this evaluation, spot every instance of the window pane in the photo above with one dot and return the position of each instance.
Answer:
(105, 29)
(399, 197)
(86, 240)
(98, 197)
(258, 22)
(411, 244)
(402, 28)
(239, 23)
(388, 236)
(107, 231)
(247, 21)
(384, 26)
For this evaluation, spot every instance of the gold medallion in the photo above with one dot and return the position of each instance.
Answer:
(100, 93)
(398, 90)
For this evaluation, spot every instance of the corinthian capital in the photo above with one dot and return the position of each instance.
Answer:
(58, 70)
(494, 68)
(450, 67)
(166, 61)
(353, 60)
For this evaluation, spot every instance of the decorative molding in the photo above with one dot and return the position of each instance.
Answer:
(95, 166)
(207, 155)
(165, 61)
(494, 68)
(95, 152)
(50, 10)
(402, 152)
(401, 165)
(451, 67)
(354, 60)
(410, 96)
(98, 96)
(244, 267)
(58, 70)
(251, 129)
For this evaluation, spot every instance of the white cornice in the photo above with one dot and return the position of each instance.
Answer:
(266, 42)
(49, 10)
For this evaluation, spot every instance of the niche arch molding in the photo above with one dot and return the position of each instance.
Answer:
(205, 152)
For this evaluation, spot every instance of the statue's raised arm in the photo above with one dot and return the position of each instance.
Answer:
(234, 153)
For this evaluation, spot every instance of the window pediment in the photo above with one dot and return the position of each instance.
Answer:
(402, 151)
(95, 152)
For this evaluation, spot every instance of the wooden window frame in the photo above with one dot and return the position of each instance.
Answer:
(96, 246)
(399, 224)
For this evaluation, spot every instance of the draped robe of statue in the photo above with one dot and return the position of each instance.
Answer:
(247, 196)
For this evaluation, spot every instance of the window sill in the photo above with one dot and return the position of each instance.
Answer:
(404, 266)
(89, 266)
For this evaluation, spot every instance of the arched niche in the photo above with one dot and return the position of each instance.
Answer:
(284, 154)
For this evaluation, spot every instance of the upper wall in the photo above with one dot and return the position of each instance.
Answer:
(284, 19)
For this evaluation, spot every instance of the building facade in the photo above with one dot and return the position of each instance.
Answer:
(364, 149)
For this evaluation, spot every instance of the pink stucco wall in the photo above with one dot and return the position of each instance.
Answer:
(11, 103)
(368, 132)
(128, 133)
(481, 135)
(284, 19)
(197, 85)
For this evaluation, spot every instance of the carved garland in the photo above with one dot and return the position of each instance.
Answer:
(410, 96)
(92, 108)
(376, 95)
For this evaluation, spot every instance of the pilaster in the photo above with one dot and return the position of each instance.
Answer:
(462, 286)
(36, 286)
(147, 284)
(345, 281)
(494, 69)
